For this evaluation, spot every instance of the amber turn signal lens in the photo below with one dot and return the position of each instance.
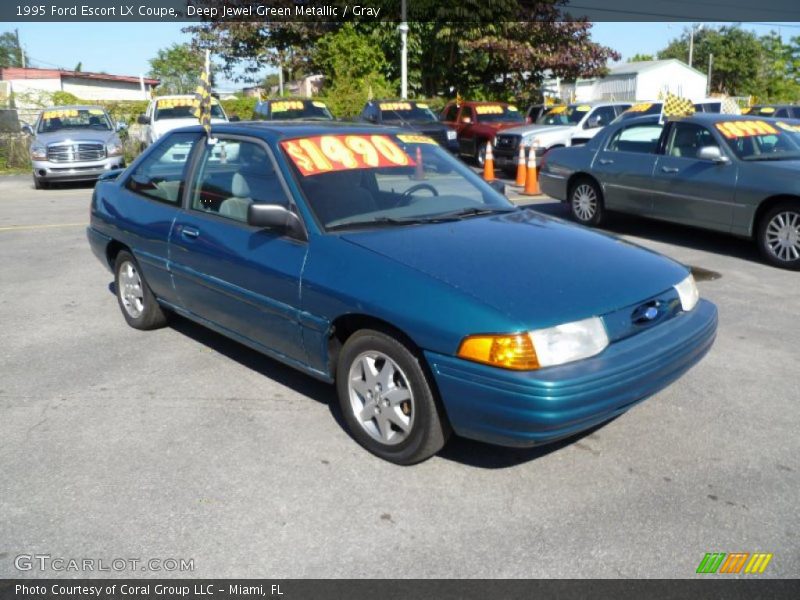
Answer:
(506, 351)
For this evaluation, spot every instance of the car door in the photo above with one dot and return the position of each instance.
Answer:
(624, 166)
(240, 278)
(689, 190)
(150, 204)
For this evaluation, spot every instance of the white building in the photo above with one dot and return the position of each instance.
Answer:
(27, 83)
(644, 80)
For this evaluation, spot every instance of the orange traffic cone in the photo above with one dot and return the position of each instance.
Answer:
(419, 170)
(521, 166)
(488, 163)
(531, 182)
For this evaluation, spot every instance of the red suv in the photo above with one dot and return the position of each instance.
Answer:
(476, 123)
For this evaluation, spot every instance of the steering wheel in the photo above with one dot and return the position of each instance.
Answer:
(421, 186)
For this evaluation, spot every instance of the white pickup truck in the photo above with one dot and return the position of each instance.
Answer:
(166, 113)
(565, 125)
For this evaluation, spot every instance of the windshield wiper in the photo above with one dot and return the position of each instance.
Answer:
(764, 157)
(476, 212)
(390, 222)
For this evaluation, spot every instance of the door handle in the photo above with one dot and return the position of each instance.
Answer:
(669, 169)
(606, 161)
(190, 233)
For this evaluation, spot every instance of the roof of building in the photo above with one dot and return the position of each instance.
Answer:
(629, 68)
(7, 73)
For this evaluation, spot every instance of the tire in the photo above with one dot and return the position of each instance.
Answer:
(40, 184)
(136, 300)
(778, 235)
(387, 399)
(480, 153)
(586, 202)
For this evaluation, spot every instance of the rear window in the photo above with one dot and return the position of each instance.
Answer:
(498, 113)
(183, 108)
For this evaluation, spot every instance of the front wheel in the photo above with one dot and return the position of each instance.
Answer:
(136, 300)
(586, 203)
(40, 184)
(779, 235)
(387, 400)
(480, 154)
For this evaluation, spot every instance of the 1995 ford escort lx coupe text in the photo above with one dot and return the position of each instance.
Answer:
(369, 257)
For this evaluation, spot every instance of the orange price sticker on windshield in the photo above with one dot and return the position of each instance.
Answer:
(415, 139)
(287, 105)
(329, 153)
(740, 129)
(395, 106)
(557, 110)
(489, 109)
(642, 107)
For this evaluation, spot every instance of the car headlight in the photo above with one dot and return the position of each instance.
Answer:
(688, 292)
(38, 152)
(451, 135)
(113, 149)
(539, 348)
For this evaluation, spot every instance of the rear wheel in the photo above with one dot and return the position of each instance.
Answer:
(586, 202)
(137, 302)
(387, 400)
(779, 235)
(480, 154)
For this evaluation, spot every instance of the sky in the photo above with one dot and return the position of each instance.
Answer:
(125, 48)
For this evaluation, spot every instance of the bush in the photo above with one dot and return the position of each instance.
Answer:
(14, 151)
(241, 107)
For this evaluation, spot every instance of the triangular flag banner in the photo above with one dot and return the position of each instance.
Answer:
(730, 107)
(675, 106)
(202, 97)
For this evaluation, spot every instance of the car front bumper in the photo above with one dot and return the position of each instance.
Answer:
(45, 170)
(513, 408)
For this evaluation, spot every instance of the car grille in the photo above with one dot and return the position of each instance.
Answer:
(75, 152)
(507, 141)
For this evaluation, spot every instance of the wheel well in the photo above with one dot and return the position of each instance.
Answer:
(765, 206)
(576, 177)
(114, 247)
(346, 325)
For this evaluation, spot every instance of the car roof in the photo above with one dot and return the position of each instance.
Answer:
(277, 130)
(701, 118)
(595, 103)
(480, 102)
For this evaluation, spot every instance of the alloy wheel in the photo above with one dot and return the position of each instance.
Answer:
(584, 202)
(130, 290)
(783, 236)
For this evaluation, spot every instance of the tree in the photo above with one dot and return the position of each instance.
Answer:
(11, 53)
(641, 58)
(780, 69)
(178, 67)
(79, 67)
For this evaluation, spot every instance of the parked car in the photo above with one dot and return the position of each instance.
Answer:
(477, 123)
(560, 126)
(74, 143)
(344, 252)
(290, 109)
(166, 113)
(416, 116)
(735, 174)
(778, 111)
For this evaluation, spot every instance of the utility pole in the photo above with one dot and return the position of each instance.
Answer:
(21, 51)
(691, 42)
(708, 83)
(403, 28)
(280, 73)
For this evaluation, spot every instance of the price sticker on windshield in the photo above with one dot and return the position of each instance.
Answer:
(557, 110)
(489, 109)
(287, 105)
(329, 153)
(416, 139)
(175, 102)
(395, 106)
(741, 129)
(59, 114)
(641, 107)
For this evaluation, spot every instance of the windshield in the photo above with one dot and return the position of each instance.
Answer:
(498, 113)
(359, 180)
(74, 118)
(405, 111)
(760, 140)
(640, 110)
(565, 115)
(300, 109)
(183, 108)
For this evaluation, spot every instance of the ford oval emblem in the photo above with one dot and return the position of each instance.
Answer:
(651, 313)
(646, 313)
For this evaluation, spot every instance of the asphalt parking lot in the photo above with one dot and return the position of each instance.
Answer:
(177, 443)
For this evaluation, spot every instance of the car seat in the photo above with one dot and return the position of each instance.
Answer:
(235, 207)
(685, 143)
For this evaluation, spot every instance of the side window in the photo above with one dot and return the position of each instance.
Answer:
(466, 113)
(796, 112)
(636, 138)
(686, 139)
(161, 175)
(621, 108)
(600, 117)
(451, 113)
(232, 175)
(782, 112)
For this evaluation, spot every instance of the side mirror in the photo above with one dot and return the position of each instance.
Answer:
(592, 123)
(275, 216)
(27, 129)
(234, 119)
(121, 126)
(142, 120)
(713, 154)
(498, 186)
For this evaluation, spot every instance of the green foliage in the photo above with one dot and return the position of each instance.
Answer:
(10, 51)
(641, 58)
(61, 98)
(241, 107)
(14, 154)
(178, 68)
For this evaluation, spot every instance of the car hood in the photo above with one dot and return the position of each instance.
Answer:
(538, 270)
(540, 129)
(67, 135)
